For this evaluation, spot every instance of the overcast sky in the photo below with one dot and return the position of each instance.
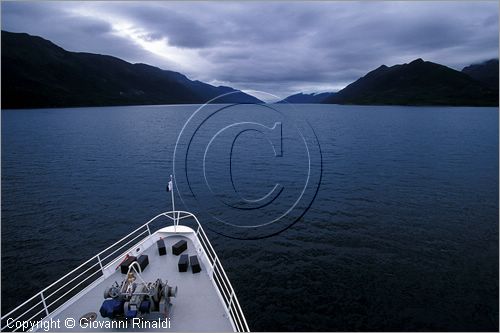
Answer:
(278, 47)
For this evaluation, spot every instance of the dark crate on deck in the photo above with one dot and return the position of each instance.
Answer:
(183, 263)
(126, 263)
(195, 264)
(143, 261)
(179, 247)
(162, 250)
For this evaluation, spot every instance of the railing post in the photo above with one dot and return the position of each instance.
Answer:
(230, 300)
(149, 230)
(211, 275)
(213, 267)
(100, 263)
(44, 304)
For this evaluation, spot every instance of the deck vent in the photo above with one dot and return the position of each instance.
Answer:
(88, 317)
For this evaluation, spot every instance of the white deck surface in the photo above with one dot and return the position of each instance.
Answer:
(197, 306)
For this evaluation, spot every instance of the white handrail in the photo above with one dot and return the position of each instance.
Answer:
(240, 318)
(73, 279)
(127, 243)
(231, 304)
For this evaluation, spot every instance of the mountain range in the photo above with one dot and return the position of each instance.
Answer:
(486, 72)
(417, 83)
(306, 98)
(36, 73)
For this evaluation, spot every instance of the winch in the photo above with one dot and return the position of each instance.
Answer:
(136, 299)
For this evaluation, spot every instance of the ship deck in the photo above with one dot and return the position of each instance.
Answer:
(197, 307)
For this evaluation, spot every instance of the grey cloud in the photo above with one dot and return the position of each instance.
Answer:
(278, 46)
(152, 36)
(181, 30)
(89, 27)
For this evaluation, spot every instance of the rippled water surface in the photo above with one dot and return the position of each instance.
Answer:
(402, 235)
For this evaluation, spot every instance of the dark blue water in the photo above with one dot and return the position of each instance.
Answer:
(402, 235)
